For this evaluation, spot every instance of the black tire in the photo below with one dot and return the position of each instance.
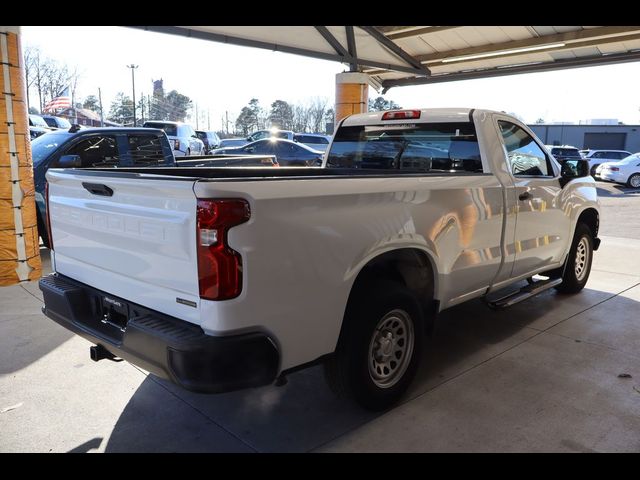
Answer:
(593, 170)
(632, 178)
(575, 278)
(348, 372)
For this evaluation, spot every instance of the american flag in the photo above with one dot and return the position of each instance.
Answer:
(61, 101)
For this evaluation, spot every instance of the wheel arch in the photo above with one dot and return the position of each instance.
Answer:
(412, 267)
(591, 218)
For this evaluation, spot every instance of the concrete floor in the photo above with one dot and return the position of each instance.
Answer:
(541, 376)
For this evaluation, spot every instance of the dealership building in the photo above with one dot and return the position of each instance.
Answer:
(611, 137)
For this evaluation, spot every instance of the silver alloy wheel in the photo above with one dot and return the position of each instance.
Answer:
(635, 181)
(582, 258)
(391, 348)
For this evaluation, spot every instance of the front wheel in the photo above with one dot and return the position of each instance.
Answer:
(578, 264)
(634, 181)
(380, 346)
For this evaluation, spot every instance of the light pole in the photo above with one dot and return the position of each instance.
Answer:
(133, 84)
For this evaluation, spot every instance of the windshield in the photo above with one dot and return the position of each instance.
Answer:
(38, 121)
(63, 123)
(169, 129)
(46, 144)
(418, 147)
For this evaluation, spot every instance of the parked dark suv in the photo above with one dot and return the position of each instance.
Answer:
(95, 147)
(564, 152)
(210, 140)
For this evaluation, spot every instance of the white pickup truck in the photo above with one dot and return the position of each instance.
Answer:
(226, 278)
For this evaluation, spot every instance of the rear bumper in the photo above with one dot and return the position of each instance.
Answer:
(163, 345)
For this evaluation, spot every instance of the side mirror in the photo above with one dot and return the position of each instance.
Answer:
(573, 169)
(68, 161)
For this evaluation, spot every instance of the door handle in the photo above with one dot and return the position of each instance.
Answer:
(98, 189)
(525, 196)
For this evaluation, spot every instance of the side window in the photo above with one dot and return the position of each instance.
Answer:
(598, 155)
(96, 151)
(524, 155)
(262, 148)
(145, 150)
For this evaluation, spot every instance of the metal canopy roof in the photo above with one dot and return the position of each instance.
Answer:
(409, 55)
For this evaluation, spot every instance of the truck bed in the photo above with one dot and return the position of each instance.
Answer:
(257, 173)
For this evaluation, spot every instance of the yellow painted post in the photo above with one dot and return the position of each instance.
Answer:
(19, 242)
(352, 94)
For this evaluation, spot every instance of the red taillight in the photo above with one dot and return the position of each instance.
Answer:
(48, 219)
(614, 169)
(219, 267)
(401, 114)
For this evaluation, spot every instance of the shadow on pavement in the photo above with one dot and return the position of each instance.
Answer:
(27, 334)
(614, 190)
(86, 446)
(304, 414)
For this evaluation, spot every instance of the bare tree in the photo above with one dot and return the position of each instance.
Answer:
(317, 109)
(31, 58)
(47, 76)
(300, 118)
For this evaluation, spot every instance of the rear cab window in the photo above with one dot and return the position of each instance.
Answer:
(410, 148)
(146, 150)
(96, 151)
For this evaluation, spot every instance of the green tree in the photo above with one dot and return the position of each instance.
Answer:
(34, 110)
(249, 118)
(121, 110)
(380, 104)
(178, 106)
(91, 103)
(281, 115)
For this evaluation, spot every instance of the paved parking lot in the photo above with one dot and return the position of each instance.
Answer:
(555, 373)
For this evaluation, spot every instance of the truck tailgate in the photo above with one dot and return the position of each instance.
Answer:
(136, 243)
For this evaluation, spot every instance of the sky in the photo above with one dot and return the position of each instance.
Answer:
(222, 78)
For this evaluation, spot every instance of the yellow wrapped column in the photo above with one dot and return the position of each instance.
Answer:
(19, 242)
(352, 94)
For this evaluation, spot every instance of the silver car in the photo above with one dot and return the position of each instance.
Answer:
(182, 137)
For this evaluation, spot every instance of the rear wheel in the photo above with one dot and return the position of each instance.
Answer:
(380, 346)
(634, 181)
(593, 170)
(578, 264)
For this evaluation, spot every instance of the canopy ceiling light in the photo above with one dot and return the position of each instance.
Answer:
(503, 52)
